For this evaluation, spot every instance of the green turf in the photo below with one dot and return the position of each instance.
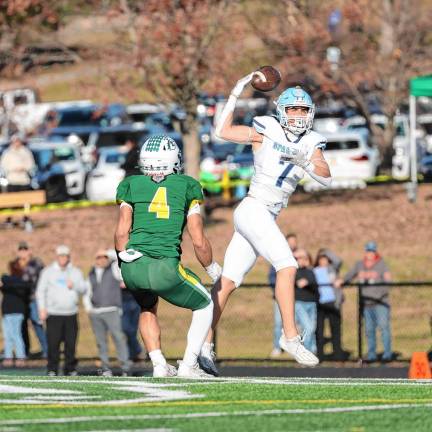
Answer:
(97, 404)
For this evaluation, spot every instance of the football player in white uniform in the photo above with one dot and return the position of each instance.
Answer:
(284, 149)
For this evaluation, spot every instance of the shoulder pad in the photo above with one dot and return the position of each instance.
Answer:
(317, 140)
(263, 123)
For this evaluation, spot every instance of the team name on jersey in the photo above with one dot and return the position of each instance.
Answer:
(281, 148)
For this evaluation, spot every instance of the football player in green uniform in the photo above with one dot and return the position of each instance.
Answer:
(154, 209)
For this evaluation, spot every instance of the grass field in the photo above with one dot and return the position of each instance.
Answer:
(240, 404)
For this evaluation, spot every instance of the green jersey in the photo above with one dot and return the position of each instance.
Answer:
(159, 212)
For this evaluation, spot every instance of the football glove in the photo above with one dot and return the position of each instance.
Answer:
(300, 159)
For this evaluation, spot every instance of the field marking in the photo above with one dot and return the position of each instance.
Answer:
(333, 410)
(169, 404)
(33, 395)
(134, 430)
(180, 382)
(164, 393)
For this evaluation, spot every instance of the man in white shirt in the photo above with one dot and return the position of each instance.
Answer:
(17, 162)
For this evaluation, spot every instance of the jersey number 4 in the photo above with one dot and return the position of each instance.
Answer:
(159, 204)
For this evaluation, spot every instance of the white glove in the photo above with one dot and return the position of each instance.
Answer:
(300, 159)
(241, 84)
(129, 255)
(214, 270)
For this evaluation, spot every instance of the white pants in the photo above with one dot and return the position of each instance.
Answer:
(256, 234)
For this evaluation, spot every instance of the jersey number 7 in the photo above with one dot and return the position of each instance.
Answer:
(159, 204)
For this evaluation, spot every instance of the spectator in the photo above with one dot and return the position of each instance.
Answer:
(306, 297)
(31, 268)
(104, 303)
(130, 315)
(130, 164)
(328, 307)
(130, 320)
(17, 162)
(335, 261)
(277, 319)
(376, 310)
(57, 295)
(15, 298)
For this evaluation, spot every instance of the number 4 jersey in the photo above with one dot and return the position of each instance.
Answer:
(159, 212)
(275, 178)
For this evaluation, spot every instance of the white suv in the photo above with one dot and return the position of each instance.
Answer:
(351, 160)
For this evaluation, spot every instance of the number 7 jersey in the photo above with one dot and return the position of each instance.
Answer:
(275, 178)
(159, 212)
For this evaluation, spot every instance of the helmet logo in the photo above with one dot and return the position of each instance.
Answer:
(153, 144)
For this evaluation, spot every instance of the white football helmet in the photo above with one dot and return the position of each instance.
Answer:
(295, 97)
(160, 156)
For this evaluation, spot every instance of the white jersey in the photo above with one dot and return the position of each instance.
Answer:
(275, 178)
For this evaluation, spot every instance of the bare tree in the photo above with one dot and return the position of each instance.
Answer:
(177, 48)
(382, 43)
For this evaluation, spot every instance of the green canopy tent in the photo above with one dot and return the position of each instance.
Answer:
(420, 86)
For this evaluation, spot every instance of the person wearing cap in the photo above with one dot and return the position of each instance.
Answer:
(31, 268)
(103, 303)
(376, 311)
(57, 296)
(17, 162)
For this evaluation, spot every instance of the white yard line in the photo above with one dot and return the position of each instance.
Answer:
(333, 410)
(178, 382)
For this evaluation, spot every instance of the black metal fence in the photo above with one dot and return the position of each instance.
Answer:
(245, 331)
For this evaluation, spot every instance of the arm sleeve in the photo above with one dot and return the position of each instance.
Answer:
(124, 193)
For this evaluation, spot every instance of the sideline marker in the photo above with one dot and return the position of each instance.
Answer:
(419, 367)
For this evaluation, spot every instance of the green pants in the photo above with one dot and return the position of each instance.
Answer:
(166, 278)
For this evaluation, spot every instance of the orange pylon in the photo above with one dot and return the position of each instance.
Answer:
(419, 367)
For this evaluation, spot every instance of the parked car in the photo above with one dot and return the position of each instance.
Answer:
(104, 178)
(400, 161)
(66, 155)
(84, 120)
(350, 158)
(140, 112)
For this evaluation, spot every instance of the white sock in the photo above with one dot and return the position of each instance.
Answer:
(198, 330)
(157, 358)
(206, 349)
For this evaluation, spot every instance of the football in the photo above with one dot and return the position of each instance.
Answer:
(266, 78)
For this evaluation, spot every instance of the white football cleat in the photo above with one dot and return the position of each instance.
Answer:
(164, 371)
(296, 348)
(207, 359)
(185, 371)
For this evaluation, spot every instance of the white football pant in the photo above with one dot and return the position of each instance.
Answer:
(255, 234)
